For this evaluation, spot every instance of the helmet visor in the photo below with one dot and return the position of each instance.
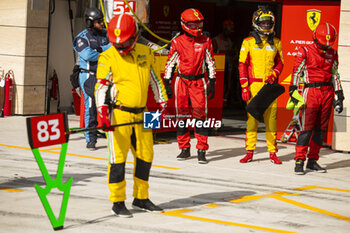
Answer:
(195, 25)
(126, 44)
(322, 46)
(266, 23)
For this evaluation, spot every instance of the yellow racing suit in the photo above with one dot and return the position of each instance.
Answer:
(126, 80)
(256, 63)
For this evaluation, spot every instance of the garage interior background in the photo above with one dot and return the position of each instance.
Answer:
(37, 40)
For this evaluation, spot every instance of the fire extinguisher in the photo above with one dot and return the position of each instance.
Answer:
(8, 91)
(54, 86)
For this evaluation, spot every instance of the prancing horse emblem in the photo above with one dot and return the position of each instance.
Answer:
(166, 10)
(313, 18)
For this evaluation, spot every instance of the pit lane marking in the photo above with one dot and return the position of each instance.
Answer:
(319, 187)
(50, 150)
(180, 213)
(279, 196)
(11, 190)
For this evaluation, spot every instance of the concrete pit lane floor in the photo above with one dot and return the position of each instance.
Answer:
(221, 196)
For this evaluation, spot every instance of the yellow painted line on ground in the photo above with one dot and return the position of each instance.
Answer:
(17, 147)
(278, 196)
(319, 187)
(312, 208)
(11, 190)
(211, 205)
(179, 213)
(255, 197)
(50, 149)
(82, 156)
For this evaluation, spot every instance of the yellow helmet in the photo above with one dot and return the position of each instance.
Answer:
(263, 21)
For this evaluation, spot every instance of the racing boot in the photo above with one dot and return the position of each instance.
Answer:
(313, 165)
(201, 157)
(274, 159)
(147, 205)
(185, 154)
(120, 210)
(248, 157)
(299, 167)
(91, 146)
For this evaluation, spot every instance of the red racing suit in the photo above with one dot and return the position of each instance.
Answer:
(192, 55)
(319, 71)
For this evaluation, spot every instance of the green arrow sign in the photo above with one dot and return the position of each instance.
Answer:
(57, 223)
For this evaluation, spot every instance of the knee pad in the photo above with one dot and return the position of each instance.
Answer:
(318, 136)
(202, 130)
(116, 173)
(304, 138)
(181, 131)
(142, 169)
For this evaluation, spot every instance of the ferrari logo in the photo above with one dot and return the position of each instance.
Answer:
(117, 32)
(328, 37)
(196, 13)
(166, 10)
(313, 18)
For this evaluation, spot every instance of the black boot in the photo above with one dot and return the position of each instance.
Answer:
(147, 205)
(201, 157)
(313, 165)
(120, 210)
(299, 167)
(185, 154)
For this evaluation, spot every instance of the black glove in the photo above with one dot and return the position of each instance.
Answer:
(291, 90)
(211, 88)
(99, 49)
(168, 89)
(338, 103)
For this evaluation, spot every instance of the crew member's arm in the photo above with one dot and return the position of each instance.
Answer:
(244, 60)
(338, 90)
(81, 45)
(298, 70)
(170, 66)
(104, 82)
(209, 60)
(277, 69)
(157, 85)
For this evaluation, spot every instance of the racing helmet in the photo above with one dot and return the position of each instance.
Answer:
(192, 22)
(263, 21)
(324, 36)
(123, 33)
(91, 15)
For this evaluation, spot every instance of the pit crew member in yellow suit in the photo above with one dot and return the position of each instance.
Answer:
(260, 62)
(124, 73)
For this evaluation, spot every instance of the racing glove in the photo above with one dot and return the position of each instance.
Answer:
(99, 49)
(211, 88)
(103, 113)
(292, 88)
(245, 94)
(271, 78)
(338, 102)
(168, 89)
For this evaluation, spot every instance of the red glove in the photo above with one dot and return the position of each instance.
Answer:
(106, 124)
(271, 78)
(245, 94)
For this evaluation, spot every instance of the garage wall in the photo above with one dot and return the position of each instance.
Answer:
(61, 58)
(342, 121)
(24, 27)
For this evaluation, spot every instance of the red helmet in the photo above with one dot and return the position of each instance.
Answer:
(324, 36)
(123, 33)
(192, 21)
